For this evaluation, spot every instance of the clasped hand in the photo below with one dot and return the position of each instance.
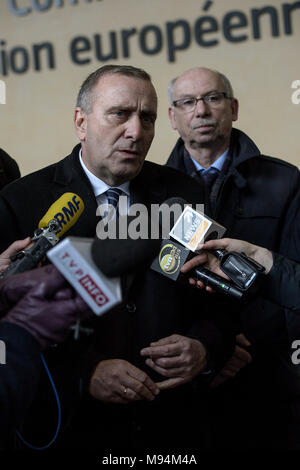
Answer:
(175, 357)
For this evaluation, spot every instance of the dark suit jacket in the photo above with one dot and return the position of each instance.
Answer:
(154, 307)
(18, 377)
(9, 170)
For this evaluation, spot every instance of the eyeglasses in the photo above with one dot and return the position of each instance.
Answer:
(213, 100)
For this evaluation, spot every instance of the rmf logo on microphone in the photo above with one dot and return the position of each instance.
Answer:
(66, 210)
(2, 92)
(70, 207)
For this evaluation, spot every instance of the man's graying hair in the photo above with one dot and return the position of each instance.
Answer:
(85, 96)
(227, 86)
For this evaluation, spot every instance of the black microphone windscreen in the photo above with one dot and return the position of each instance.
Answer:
(115, 257)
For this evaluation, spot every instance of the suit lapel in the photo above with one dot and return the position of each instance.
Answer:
(70, 177)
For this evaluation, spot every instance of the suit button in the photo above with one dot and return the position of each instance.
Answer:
(240, 211)
(131, 307)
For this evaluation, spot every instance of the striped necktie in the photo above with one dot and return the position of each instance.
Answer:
(209, 176)
(113, 195)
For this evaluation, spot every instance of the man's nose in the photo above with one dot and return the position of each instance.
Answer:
(134, 128)
(201, 108)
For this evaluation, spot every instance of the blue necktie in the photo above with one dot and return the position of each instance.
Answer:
(113, 195)
(209, 176)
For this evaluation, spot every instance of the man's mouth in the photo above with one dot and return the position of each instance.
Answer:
(129, 152)
(204, 126)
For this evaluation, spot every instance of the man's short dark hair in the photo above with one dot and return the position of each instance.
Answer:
(85, 95)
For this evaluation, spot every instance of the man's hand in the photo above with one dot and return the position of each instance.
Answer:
(240, 358)
(13, 249)
(118, 381)
(177, 357)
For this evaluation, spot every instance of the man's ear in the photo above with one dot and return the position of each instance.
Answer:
(234, 109)
(172, 118)
(80, 123)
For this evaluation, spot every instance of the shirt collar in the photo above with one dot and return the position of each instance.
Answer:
(99, 187)
(218, 164)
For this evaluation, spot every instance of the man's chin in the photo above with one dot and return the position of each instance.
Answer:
(128, 172)
(202, 140)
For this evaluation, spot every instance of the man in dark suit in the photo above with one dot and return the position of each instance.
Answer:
(163, 335)
(256, 197)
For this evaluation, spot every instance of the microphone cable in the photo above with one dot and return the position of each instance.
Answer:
(58, 409)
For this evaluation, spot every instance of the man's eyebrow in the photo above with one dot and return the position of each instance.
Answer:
(122, 107)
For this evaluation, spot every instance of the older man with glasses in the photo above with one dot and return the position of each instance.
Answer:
(255, 197)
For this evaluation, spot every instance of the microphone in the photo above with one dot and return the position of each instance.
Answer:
(59, 218)
(216, 282)
(65, 211)
(73, 258)
(172, 257)
(191, 229)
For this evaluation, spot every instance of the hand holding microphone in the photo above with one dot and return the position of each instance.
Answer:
(260, 259)
(258, 254)
(13, 249)
(59, 218)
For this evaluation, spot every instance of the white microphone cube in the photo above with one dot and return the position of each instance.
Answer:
(193, 228)
(72, 257)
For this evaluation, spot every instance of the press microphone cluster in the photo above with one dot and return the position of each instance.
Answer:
(59, 218)
(94, 267)
(191, 229)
